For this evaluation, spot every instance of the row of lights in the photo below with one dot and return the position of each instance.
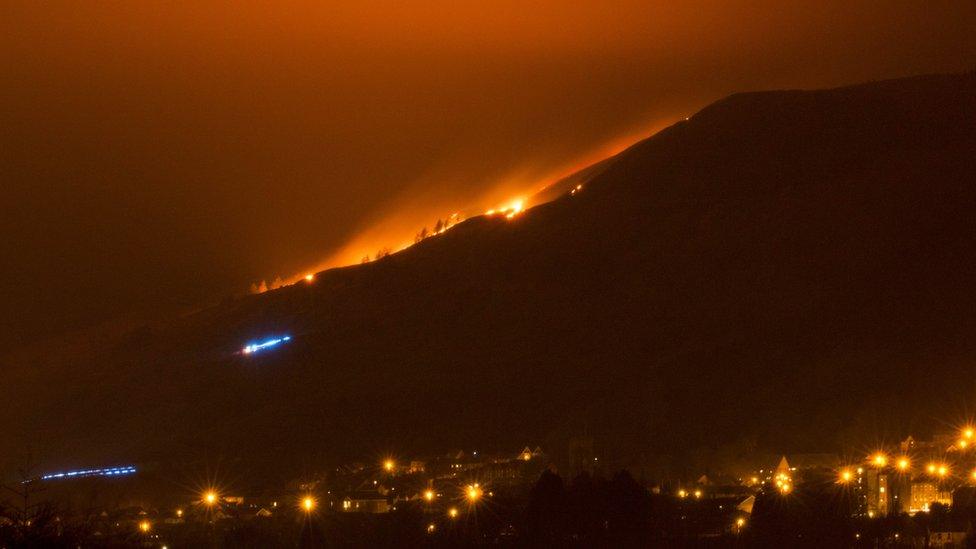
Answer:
(903, 464)
(211, 498)
(473, 493)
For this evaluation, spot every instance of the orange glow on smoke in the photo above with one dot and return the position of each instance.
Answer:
(393, 234)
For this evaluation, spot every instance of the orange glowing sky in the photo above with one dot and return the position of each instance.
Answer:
(162, 154)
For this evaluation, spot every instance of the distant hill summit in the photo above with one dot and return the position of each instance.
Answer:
(786, 270)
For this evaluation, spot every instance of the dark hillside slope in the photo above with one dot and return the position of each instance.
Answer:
(791, 268)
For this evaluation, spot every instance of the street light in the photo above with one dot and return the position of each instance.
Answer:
(389, 465)
(846, 476)
(473, 492)
(904, 464)
(452, 512)
(145, 526)
(308, 503)
(210, 497)
(429, 495)
(879, 459)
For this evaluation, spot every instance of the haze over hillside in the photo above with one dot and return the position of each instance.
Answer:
(784, 270)
(162, 155)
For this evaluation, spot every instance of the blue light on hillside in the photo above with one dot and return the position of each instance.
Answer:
(81, 473)
(255, 347)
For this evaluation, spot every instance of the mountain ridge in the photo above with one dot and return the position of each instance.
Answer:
(720, 283)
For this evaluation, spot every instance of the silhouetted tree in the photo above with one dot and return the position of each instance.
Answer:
(628, 511)
(812, 515)
(421, 235)
(546, 511)
(586, 498)
(32, 523)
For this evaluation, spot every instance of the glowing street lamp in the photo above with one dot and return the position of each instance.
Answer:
(682, 494)
(968, 433)
(389, 465)
(309, 277)
(452, 512)
(845, 476)
(308, 503)
(698, 494)
(931, 468)
(210, 497)
(904, 464)
(145, 526)
(473, 492)
(942, 471)
(431, 528)
(429, 495)
(879, 460)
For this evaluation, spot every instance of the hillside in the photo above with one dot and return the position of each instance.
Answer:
(784, 270)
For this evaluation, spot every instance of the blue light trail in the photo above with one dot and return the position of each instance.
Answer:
(255, 347)
(106, 472)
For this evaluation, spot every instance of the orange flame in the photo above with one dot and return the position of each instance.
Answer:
(360, 249)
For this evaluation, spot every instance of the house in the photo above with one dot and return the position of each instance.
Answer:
(924, 494)
(527, 454)
(947, 539)
(365, 502)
